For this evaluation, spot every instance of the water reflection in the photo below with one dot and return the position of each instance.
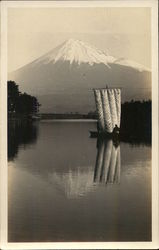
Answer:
(59, 179)
(69, 172)
(78, 182)
(107, 167)
(20, 133)
(74, 184)
(73, 174)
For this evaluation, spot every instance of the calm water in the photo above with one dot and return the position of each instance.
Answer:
(65, 186)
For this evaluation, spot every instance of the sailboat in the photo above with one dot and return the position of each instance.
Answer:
(108, 106)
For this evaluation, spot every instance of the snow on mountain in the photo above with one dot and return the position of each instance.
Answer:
(63, 78)
(81, 52)
(132, 64)
(76, 51)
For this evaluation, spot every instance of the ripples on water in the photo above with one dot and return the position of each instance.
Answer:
(65, 186)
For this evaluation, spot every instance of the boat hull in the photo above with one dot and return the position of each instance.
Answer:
(96, 134)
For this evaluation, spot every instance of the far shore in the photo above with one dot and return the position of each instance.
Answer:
(54, 116)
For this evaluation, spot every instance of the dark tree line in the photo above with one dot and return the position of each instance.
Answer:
(136, 118)
(21, 103)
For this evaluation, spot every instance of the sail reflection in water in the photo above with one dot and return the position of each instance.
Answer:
(107, 168)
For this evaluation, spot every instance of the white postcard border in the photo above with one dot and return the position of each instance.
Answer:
(153, 4)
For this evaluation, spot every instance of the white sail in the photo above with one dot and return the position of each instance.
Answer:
(112, 104)
(108, 104)
(117, 94)
(106, 111)
(99, 107)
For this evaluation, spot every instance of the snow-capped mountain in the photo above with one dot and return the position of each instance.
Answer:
(63, 78)
(76, 51)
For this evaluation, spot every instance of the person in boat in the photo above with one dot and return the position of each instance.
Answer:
(116, 129)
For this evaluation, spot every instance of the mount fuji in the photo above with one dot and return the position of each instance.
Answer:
(63, 78)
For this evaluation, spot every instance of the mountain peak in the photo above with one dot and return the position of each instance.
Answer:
(77, 51)
(73, 50)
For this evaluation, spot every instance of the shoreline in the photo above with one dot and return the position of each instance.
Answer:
(68, 120)
(52, 117)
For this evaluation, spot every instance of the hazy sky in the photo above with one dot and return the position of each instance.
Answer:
(122, 32)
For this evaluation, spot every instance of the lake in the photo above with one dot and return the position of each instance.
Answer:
(65, 186)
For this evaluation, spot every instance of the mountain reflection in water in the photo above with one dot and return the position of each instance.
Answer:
(58, 176)
(76, 183)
